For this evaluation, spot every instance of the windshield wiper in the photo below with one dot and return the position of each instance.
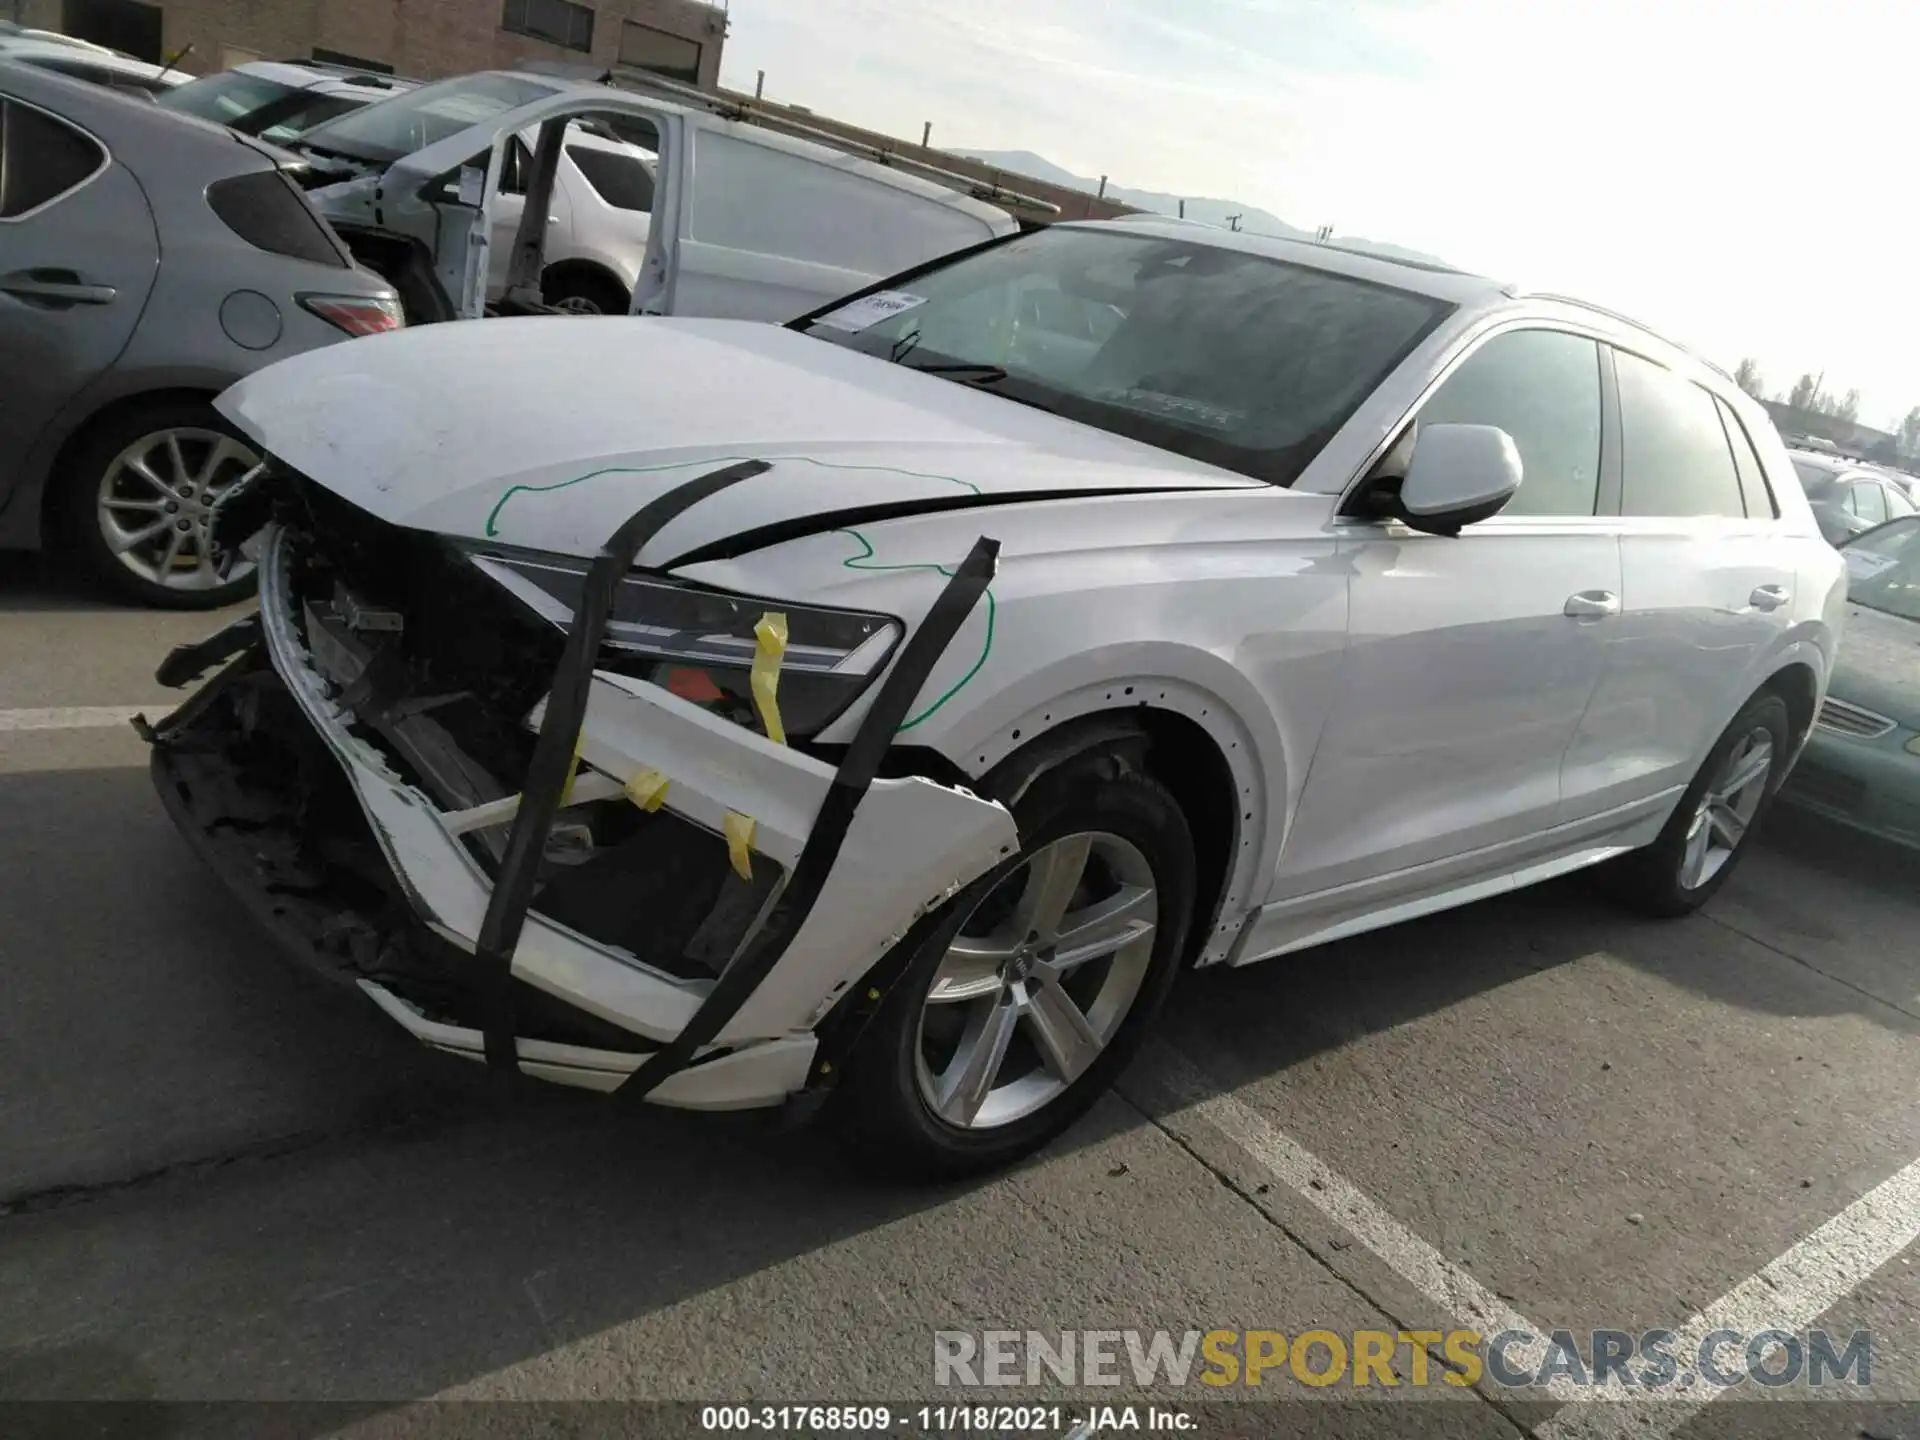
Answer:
(986, 374)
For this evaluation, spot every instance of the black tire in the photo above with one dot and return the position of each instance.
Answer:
(1652, 880)
(889, 1123)
(584, 292)
(80, 525)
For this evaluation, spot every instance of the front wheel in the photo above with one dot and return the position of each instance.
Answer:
(1707, 833)
(1023, 1006)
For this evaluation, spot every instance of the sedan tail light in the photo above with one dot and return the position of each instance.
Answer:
(356, 314)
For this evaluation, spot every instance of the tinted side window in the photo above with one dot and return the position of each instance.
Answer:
(265, 210)
(41, 158)
(1869, 502)
(620, 180)
(1674, 456)
(1746, 460)
(1543, 388)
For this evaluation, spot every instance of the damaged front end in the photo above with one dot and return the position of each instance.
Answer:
(430, 782)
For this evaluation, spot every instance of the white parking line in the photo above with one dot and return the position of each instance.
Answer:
(1405, 1253)
(1788, 1294)
(79, 717)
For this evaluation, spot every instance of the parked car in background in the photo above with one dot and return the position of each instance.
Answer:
(277, 100)
(957, 666)
(1848, 498)
(1862, 764)
(745, 223)
(93, 63)
(601, 215)
(147, 261)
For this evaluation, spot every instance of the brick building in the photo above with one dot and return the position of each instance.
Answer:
(426, 38)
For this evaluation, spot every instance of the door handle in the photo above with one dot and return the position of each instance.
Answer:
(1592, 605)
(55, 287)
(1769, 597)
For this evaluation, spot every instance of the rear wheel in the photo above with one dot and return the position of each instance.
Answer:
(584, 292)
(1707, 833)
(1032, 996)
(138, 502)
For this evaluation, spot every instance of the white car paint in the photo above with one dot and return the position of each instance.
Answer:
(1409, 720)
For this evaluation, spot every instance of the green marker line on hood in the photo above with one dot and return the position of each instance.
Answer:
(493, 515)
(858, 562)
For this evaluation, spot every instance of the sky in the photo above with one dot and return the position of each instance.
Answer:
(1739, 176)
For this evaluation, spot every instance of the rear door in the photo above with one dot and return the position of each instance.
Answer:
(1471, 659)
(1708, 577)
(78, 253)
(768, 228)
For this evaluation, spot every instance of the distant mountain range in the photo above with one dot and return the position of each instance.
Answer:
(1210, 212)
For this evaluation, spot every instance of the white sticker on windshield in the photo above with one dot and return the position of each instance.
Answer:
(473, 184)
(871, 309)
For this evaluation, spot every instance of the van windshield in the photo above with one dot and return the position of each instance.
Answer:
(1240, 360)
(410, 121)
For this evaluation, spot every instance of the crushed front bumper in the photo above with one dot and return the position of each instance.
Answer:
(587, 1012)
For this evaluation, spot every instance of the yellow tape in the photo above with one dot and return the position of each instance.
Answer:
(738, 829)
(647, 789)
(770, 648)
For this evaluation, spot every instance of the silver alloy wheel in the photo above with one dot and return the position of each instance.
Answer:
(577, 305)
(1038, 981)
(1727, 808)
(156, 502)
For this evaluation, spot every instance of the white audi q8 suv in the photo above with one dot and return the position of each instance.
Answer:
(882, 709)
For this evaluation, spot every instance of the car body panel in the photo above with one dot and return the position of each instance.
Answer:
(452, 453)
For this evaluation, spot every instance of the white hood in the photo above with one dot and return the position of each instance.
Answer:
(531, 431)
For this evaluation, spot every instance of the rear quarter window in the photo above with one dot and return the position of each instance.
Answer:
(1746, 460)
(41, 159)
(266, 211)
(620, 180)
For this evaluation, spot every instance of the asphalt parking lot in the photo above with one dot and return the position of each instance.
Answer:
(224, 1181)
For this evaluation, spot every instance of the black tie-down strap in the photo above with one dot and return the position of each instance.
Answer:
(849, 787)
(553, 762)
(553, 752)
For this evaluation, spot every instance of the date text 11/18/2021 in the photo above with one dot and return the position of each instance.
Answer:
(1051, 1420)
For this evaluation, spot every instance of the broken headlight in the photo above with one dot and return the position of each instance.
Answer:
(700, 644)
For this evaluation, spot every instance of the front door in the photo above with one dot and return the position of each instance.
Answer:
(1471, 659)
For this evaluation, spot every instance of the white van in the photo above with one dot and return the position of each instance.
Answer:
(746, 223)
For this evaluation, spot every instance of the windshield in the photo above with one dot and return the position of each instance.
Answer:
(253, 106)
(229, 98)
(1239, 360)
(1813, 478)
(1883, 569)
(389, 129)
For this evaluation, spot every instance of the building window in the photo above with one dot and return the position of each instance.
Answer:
(559, 21)
(646, 48)
(352, 62)
(124, 25)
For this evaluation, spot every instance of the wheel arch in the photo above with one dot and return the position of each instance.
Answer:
(1798, 684)
(584, 268)
(1191, 741)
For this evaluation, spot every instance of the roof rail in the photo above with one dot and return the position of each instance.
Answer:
(1688, 350)
(751, 112)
